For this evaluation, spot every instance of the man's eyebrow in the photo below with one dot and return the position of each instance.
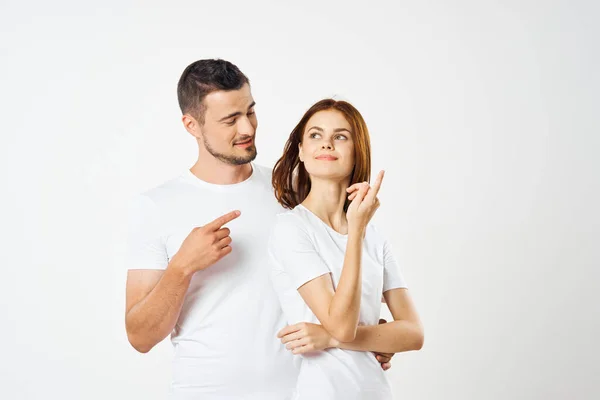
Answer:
(237, 113)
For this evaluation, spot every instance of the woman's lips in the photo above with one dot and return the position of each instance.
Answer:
(327, 158)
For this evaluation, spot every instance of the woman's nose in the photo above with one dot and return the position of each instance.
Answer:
(327, 146)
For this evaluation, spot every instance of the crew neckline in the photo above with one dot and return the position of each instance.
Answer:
(329, 228)
(218, 187)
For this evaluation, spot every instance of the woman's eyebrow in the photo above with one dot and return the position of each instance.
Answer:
(334, 131)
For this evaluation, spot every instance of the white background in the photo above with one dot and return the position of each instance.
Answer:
(483, 113)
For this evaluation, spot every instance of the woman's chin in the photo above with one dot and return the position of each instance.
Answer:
(332, 175)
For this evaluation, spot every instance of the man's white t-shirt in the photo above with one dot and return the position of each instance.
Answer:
(225, 339)
(302, 247)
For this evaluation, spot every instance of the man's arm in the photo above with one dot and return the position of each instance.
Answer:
(155, 297)
(153, 303)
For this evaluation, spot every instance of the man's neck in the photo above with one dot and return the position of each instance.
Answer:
(211, 170)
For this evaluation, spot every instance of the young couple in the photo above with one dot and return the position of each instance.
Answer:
(284, 302)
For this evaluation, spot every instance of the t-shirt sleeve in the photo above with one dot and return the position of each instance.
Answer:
(145, 245)
(293, 252)
(392, 277)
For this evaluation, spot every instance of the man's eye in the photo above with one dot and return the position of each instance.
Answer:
(251, 112)
(230, 123)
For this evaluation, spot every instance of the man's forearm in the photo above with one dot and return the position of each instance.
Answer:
(392, 337)
(154, 317)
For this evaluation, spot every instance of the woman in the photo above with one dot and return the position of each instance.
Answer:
(330, 265)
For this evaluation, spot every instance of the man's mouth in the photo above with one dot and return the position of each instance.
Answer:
(245, 143)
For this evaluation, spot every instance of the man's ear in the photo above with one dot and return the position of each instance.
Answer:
(191, 125)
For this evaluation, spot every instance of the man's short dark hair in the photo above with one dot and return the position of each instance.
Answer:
(203, 77)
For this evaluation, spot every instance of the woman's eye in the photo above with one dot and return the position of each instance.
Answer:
(314, 135)
(341, 137)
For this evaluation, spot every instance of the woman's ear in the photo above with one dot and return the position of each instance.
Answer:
(300, 155)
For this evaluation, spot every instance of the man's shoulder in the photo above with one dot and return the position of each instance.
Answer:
(177, 186)
(164, 191)
(263, 176)
(263, 171)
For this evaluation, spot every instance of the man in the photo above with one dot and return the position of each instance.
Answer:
(205, 284)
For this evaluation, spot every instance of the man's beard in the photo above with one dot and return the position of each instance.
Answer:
(231, 159)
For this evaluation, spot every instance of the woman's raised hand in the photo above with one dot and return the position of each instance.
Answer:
(364, 203)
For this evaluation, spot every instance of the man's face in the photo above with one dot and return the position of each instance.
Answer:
(230, 126)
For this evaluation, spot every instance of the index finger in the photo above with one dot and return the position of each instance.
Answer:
(287, 330)
(375, 188)
(223, 219)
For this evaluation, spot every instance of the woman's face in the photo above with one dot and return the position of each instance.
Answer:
(327, 146)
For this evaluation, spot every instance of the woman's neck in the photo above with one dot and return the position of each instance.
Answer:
(326, 200)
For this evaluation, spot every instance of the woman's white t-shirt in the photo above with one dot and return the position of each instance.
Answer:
(302, 247)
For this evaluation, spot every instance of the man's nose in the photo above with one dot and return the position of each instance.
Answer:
(245, 127)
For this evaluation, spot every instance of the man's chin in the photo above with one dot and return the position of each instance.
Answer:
(241, 158)
(249, 153)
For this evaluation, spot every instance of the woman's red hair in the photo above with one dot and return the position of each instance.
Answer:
(291, 180)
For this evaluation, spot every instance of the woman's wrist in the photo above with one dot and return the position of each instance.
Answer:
(333, 342)
(357, 230)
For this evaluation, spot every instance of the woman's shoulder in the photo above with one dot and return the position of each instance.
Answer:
(289, 227)
(291, 218)
(374, 234)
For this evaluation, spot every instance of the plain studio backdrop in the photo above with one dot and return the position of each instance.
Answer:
(484, 115)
